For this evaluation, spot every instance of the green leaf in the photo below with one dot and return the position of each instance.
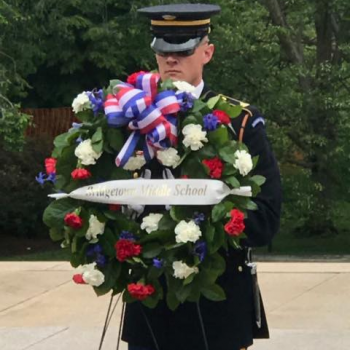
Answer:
(232, 181)
(227, 153)
(229, 169)
(218, 212)
(198, 106)
(54, 214)
(172, 301)
(56, 234)
(97, 147)
(67, 162)
(251, 205)
(219, 136)
(151, 250)
(115, 139)
(258, 179)
(166, 223)
(189, 279)
(97, 136)
(183, 292)
(191, 119)
(85, 116)
(209, 233)
(232, 110)
(214, 293)
(213, 101)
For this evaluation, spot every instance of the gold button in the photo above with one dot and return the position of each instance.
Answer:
(240, 268)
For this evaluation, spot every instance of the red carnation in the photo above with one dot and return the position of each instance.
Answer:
(114, 207)
(127, 249)
(50, 165)
(216, 166)
(78, 278)
(184, 177)
(73, 220)
(140, 291)
(223, 117)
(133, 77)
(80, 174)
(236, 225)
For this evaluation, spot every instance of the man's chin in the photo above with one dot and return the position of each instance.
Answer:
(173, 76)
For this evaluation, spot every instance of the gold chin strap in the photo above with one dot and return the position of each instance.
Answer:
(174, 23)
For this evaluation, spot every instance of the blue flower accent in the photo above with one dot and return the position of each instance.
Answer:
(187, 103)
(40, 178)
(200, 249)
(79, 140)
(158, 263)
(96, 99)
(211, 122)
(51, 177)
(198, 218)
(94, 251)
(77, 125)
(127, 235)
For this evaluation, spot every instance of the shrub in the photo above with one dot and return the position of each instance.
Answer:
(22, 199)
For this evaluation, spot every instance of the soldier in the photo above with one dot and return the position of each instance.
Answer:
(182, 48)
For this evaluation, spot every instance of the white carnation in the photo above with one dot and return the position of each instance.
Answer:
(194, 136)
(168, 157)
(187, 232)
(81, 103)
(90, 275)
(243, 162)
(184, 86)
(182, 270)
(95, 228)
(86, 154)
(150, 222)
(135, 163)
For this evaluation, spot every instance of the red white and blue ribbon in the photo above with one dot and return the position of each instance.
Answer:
(149, 114)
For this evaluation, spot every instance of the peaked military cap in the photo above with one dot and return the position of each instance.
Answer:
(179, 28)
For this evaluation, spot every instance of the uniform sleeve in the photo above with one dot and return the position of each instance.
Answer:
(263, 224)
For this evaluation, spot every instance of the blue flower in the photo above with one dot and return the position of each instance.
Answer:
(96, 99)
(211, 122)
(94, 251)
(77, 125)
(198, 218)
(40, 178)
(187, 102)
(127, 235)
(200, 249)
(79, 140)
(51, 177)
(158, 263)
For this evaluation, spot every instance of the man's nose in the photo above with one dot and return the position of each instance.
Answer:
(171, 58)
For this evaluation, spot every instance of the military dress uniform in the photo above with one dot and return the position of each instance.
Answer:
(230, 324)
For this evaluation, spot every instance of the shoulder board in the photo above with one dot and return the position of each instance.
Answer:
(234, 101)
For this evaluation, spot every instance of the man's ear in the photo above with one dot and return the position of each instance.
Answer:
(208, 53)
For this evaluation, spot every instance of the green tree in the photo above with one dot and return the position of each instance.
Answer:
(291, 57)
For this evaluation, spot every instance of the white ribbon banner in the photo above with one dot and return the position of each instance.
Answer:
(156, 192)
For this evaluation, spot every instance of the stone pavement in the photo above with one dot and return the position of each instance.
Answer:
(308, 307)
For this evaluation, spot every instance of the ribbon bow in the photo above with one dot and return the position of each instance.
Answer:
(147, 113)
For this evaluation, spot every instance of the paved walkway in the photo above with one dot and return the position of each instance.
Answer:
(308, 307)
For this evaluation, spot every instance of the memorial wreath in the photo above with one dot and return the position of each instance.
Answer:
(100, 174)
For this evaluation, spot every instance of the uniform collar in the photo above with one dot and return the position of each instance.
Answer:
(198, 90)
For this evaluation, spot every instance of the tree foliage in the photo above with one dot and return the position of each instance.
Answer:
(289, 57)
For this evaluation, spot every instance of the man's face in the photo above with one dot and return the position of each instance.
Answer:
(190, 68)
